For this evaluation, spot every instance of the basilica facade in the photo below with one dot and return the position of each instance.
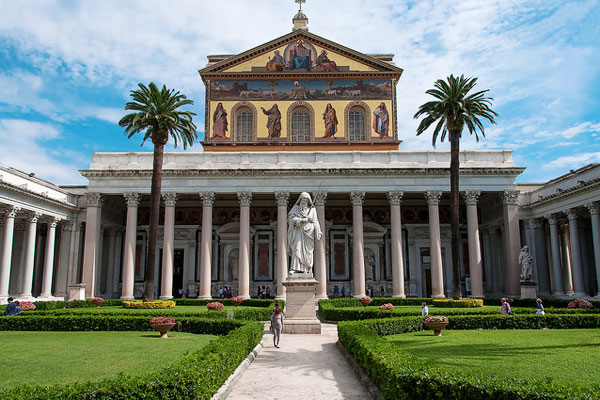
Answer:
(299, 114)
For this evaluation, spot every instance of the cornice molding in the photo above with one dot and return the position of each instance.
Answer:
(37, 196)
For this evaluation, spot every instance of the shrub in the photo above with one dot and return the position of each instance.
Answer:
(399, 375)
(464, 303)
(215, 305)
(198, 375)
(156, 304)
(259, 303)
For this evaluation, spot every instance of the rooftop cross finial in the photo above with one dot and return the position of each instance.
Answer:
(300, 20)
(300, 2)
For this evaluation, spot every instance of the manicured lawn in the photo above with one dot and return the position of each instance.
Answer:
(67, 357)
(567, 357)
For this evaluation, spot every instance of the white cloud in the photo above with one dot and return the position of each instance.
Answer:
(574, 161)
(24, 147)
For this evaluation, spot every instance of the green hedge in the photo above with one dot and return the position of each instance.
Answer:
(227, 302)
(400, 376)
(464, 303)
(197, 376)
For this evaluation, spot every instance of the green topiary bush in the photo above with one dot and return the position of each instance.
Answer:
(464, 303)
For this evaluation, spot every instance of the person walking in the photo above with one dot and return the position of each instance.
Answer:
(540, 307)
(424, 309)
(276, 325)
(505, 310)
(12, 308)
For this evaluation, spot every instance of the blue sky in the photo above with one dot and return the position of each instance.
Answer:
(66, 68)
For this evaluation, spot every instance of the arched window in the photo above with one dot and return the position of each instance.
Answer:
(244, 124)
(357, 130)
(300, 125)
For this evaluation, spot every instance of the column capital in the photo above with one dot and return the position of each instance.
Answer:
(510, 197)
(552, 219)
(33, 217)
(535, 223)
(571, 213)
(357, 198)
(93, 199)
(433, 197)
(471, 197)
(11, 211)
(53, 222)
(132, 199)
(319, 198)
(593, 208)
(282, 198)
(395, 197)
(67, 225)
(208, 198)
(245, 198)
(170, 199)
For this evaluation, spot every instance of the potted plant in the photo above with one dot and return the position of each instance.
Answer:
(215, 306)
(436, 324)
(365, 300)
(580, 304)
(387, 306)
(97, 301)
(236, 301)
(163, 325)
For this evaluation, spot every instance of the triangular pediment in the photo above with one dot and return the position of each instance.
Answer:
(301, 52)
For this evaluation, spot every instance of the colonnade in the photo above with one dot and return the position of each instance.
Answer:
(320, 267)
(24, 291)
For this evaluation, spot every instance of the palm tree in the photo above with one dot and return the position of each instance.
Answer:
(453, 109)
(156, 112)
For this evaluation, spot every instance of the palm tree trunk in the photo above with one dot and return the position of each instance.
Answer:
(454, 212)
(155, 192)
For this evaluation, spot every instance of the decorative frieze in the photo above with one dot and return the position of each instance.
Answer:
(433, 197)
(132, 199)
(208, 198)
(510, 197)
(357, 198)
(245, 198)
(170, 199)
(395, 198)
(282, 198)
(471, 198)
(93, 199)
(319, 198)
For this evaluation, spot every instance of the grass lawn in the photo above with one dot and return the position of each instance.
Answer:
(67, 357)
(566, 356)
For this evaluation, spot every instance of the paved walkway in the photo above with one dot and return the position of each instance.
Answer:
(304, 367)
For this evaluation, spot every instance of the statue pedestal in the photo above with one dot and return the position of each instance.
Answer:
(300, 314)
(528, 290)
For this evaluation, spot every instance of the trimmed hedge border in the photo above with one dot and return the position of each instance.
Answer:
(464, 303)
(400, 376)
(148, 305)
(199, 375)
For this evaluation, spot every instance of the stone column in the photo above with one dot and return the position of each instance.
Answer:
(358, 243)
(91, 242)
(475, 263)
(578, 285)
(594, 209)
(512, 239)
(7, 244)
(435, 246)
(127, 285)
(49, 259)
(558, 289)
(537, 245)
(320, 264)
(166, 286)
(244, 252)
(208, 199)
(395, 199)
(29, 255)
(282, 258)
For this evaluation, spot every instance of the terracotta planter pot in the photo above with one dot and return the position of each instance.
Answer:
(236, 303)
(365, 302)
(436, 327)
(163, 329)
(96, 303)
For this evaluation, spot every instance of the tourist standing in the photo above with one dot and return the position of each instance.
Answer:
(505, 310)
(343, 291)
(276, 325)
(382, 292)
(336, 291)
(12, 308)
(424, 309)
(540, 307)
(268, 292)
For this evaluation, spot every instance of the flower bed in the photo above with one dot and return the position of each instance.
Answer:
(156, 304)
(399, 375)
(162, 320)
(198, 375)
(26, 306)
(215, 306)
(580, 304)
(387, 306)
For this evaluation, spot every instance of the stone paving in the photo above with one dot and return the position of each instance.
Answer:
(304, 367)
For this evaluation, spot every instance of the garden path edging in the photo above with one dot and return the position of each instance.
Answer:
(360, 374)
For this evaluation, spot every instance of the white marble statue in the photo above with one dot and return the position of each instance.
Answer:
(303, 230)
(526, 263)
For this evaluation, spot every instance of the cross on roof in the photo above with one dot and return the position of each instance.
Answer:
(300, 2)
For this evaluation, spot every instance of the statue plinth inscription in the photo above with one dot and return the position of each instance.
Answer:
(300, 315)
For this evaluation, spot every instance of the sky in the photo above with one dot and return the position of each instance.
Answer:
(67, 68)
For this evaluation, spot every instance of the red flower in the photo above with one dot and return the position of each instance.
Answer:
(215, 305)
(162, 320)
